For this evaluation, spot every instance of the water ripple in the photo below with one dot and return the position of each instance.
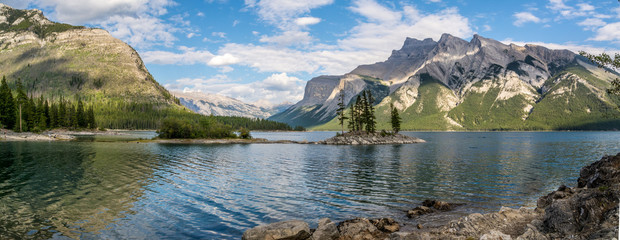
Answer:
(117, 190)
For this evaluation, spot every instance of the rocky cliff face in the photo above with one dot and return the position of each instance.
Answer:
(218, 105)
(480, 84)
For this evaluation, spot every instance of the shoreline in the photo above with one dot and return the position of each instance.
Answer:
(51, 135)
(590, 210)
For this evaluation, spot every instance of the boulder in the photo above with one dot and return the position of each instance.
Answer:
(359, 228)
(289, 230)
(495, 235)
(418, 211)
(327, 230)
(387, 225)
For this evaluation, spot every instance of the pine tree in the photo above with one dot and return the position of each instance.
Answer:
(54, 116)
(358, 113)
(62, 114)
(24, 104)
(73, 123)
(31, 114)
(8, 106)
(341, 107)
(91, 118)
(352, 123)
(371, 123)
(81, 115)
(46, 113)
(395, 118)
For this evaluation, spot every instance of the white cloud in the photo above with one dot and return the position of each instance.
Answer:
(219, 34)
(525, 17)
(486, 28)
(591, 23)
(585, 7)
(191, 35)
(609, 32)
(375, 12)
(368, 42)
(200, 14)
(305, 21)
(282, 12)
(270, 58)
(568, 12)
(223, 60)
(134, 21)
(275, 89)
(141, 31)
(189, 56)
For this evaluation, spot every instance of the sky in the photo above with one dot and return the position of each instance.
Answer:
(264, 51)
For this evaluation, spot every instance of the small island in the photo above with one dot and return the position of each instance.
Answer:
(362, 124)
(363, 138)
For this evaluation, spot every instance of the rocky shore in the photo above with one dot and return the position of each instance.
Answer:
(8, 135)
(362, 138)
(588, 211)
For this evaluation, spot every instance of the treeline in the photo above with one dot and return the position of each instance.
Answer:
(256, 124)
(23, 113)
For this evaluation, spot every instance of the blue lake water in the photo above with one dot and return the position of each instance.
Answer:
(118, 190)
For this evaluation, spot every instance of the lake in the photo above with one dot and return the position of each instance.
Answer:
(100, 188)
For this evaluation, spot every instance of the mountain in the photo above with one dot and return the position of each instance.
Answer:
(218, 105)
(483, 84)
(57, 60)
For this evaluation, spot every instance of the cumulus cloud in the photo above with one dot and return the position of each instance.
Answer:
(525, 17)
(304, 21)
(223, 60)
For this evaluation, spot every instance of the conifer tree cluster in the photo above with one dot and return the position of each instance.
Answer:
(24, 113)
(362, 114)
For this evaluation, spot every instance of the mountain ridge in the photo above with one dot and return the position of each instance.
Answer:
(219, 105)
(458, 72)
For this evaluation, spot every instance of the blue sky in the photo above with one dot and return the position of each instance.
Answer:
(264, 51)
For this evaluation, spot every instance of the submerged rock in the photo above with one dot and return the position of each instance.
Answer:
(387, 225)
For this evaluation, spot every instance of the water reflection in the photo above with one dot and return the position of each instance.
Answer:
(117, 190)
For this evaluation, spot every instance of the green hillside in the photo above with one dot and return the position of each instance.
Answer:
(55, 61)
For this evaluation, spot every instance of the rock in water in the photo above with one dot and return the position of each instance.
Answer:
(289, 230)
(326, 230)
(387, 225)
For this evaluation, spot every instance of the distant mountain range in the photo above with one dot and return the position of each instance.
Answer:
(57, 60)
(483, 84)
(218, 105)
